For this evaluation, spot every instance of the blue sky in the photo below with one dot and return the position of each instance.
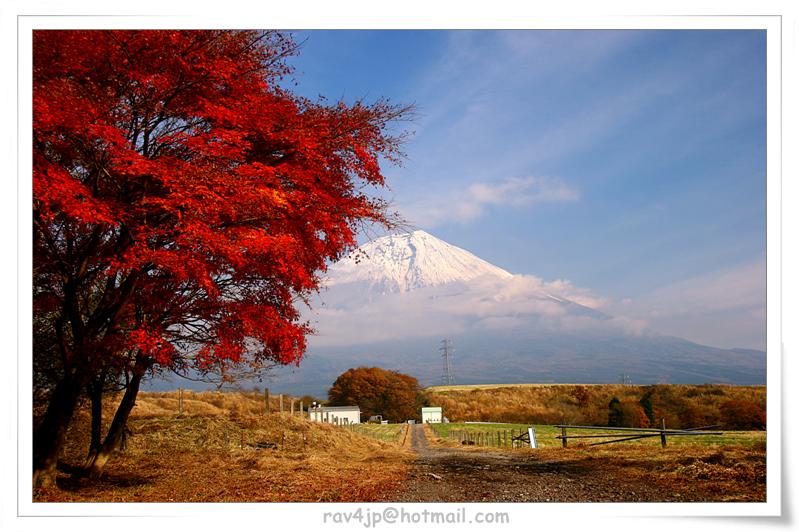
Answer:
(631, 163)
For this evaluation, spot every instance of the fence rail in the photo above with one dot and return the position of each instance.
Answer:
(631, 433)
(510, 438)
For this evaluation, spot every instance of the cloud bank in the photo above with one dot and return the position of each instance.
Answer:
(485, 303)
(477, 198)
(724, 308)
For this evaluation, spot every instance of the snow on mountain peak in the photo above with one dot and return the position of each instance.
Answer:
(407, 261)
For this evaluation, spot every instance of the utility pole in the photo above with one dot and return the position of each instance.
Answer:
(446, 354)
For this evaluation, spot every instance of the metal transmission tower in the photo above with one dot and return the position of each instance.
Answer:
(624, 378)
(446, 354)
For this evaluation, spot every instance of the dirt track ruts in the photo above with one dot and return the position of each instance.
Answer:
(445, 474)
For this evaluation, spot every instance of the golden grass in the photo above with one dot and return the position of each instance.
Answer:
(727, 473)
(681, 405)
(718, 472)
(217, 450)
(223, 447)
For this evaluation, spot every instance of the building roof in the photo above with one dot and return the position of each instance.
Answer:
(431, 408)
(336, 408)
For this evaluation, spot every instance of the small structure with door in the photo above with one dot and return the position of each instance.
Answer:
(337, 415)
(432, 414)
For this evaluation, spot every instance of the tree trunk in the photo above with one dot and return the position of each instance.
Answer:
(96, 396)
(50, 435)
(96, 463)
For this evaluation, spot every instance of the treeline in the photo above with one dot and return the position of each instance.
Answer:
(682, 406)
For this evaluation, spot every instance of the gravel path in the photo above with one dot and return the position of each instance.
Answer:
(445, 474)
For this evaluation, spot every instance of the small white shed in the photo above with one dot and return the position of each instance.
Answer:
(337, 415)
(432, 414)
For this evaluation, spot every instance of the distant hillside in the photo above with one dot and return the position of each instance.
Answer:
(520, 356)
(682, 405)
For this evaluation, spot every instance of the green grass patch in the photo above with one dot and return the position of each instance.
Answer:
(390, 432)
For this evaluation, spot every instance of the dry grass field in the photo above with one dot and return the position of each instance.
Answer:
(681, 405)
(220, 450)
(731, 468)
(224, 447)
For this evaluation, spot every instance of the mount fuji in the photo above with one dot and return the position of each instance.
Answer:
(392, 301)
(409, 261)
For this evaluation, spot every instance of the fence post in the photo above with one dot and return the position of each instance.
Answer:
(281, 403)
(292, 407)
(563, 433)
(301, 405)
(663, 432)
(266, 400)
(180, 400)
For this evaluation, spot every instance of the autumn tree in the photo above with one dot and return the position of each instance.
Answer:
(740, 414)
(615, 413)
(184, 203)
(646, 404)
(377, 391)
(626, 414)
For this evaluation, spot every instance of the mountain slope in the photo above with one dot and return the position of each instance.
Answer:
(391, 303)
(408, 261)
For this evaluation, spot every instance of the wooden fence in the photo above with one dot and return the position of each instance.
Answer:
(620, 434)
(512, 438)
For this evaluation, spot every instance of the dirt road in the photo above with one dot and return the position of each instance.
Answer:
(447, 474)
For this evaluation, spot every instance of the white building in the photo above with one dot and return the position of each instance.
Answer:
(337, 415)
(432, 414)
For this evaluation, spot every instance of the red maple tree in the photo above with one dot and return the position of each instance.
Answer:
(183, 202)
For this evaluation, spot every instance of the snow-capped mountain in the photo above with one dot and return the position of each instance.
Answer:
(423, 267)
(408, 261)
(390, 303)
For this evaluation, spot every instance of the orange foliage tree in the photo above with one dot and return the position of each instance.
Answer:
(393, 395)
(741, 414)
(183, 202)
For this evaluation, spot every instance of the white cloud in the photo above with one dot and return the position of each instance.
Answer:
(473, 202)
(485, 303)
(724, 308)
